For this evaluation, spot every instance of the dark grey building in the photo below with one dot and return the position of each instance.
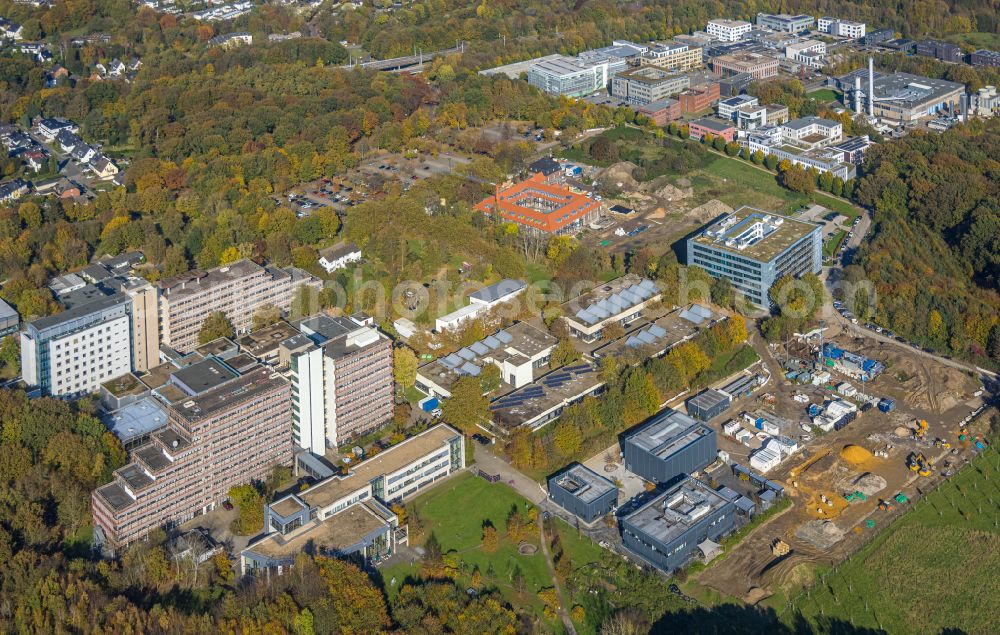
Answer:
(877, 37)
(670, 445)
(708, 404)
(944, 51)
(583, 493)
(735, 85)
(667, 530)
(985, 57)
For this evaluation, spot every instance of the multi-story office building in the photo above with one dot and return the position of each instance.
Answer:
(670, 445)
(73, 352)
(728, 30)
(841, 28)
(699, 98)
(662, 111)
(812, 130)
(878, 36)
(646, 84)
(238, 290)
(9, 319)
(668, 530)
(754, 64)
(672, 55)
(572, 78)
(754, 249)
(698, 128)
(728, 107)
(223, 429)
(348, 516)
(784, 22)
(944, 51)
(342, 386)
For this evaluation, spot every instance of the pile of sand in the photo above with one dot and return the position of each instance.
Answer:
(856, 455)
(619, 175)
(708, 212)
(903, 431)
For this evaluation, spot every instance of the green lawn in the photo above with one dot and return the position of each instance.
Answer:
(824, 94)
(736, 182)
(455, 512)
(833, 243)
(934, 570)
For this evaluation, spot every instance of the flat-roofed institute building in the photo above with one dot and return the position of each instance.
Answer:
(349, 516)
(662, 111)
(520, 352)
(667, 530)
(674, 55)
(698, 128)
(754, 249)
(621, 300)
(728, 30)
(540, 206)
(570, 77)
(669, 445)
(342, 387)
(583, 493)
(223, 429)
(906, 98)
(646, 84)
(755, 65)
(784, 22)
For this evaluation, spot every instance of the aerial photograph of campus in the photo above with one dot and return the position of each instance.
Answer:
(569, 317)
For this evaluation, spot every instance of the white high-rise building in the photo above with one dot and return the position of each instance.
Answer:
(73, 352)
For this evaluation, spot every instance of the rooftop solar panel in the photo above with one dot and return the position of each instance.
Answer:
(657, 331)
(633, 342)
(491, 342)
(470, 369)
(646, 337)
(505, 337)
(479, 348)
(466, 354)
(452, 362)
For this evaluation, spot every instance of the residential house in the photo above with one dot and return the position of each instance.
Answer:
(339, 256)
(13, 190)
(103, 167)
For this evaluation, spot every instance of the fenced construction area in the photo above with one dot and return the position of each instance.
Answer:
(933, 570)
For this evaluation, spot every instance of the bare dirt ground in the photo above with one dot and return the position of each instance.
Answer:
(922, 389)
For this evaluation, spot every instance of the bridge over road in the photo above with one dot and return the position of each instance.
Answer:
(399, 63)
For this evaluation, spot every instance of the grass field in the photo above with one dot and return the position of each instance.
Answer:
(824, 94)
(933, 571)
(977, 39)
(455, 512)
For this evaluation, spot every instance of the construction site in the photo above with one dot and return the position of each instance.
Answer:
(912, 423)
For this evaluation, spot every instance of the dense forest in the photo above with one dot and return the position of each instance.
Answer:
(935, 253)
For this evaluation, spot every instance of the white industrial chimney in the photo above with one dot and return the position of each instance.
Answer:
(871, 87)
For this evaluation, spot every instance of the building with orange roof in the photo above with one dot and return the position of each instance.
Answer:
(542, 206)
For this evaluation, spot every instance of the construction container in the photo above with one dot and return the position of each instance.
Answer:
(886, 405)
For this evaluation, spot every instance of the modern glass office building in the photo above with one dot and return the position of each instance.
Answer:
(754, 249)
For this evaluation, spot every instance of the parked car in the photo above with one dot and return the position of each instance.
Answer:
(227, 505)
